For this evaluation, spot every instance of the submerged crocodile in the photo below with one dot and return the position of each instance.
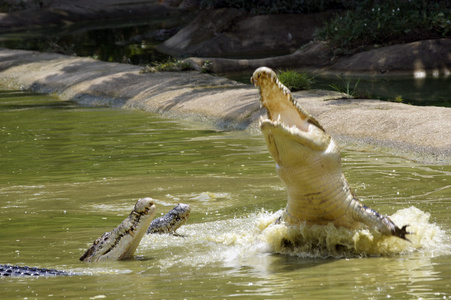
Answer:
(121, 242)
(308, 161)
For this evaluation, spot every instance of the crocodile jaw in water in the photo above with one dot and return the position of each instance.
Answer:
(308, 161)
(122, 242)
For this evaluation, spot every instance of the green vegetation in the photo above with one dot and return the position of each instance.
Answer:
(358, 24)
(206, 67)
(11, 5)
(399, 99)
(345, 88)
(387, 22)
(170, 65)
(295, 81)
(6, 6)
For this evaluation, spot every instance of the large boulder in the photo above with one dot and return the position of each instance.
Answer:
(234, 33)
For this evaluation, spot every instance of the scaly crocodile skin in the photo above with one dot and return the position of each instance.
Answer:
(308, 161)
(120, 243)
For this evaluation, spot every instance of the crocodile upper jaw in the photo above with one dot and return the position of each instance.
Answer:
(286, 122)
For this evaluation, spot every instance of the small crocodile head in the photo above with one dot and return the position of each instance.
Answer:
(291, 133)
(122, 242)
(179, 215)
(170, 222)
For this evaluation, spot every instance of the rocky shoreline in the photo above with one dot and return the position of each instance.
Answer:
(234, 41)
(418, 133)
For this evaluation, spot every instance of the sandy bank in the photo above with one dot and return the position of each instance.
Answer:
(420, 133)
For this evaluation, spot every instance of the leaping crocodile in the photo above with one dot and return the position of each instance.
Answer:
(121, 242)
(308, 161)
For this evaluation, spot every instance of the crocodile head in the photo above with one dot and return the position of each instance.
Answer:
(304, 153)
(309, 162)
(122, 242)
(287, 125)
(170, 222)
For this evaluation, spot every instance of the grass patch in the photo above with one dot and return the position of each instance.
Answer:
(294, 80)
(346, 87)
(399, 99)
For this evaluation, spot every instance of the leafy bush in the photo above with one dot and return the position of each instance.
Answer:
(385, 22)
(295, 81)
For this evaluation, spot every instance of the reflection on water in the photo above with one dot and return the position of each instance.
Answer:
(430, 90)
(69, 174)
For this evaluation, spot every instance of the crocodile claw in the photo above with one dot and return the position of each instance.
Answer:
(401, 232)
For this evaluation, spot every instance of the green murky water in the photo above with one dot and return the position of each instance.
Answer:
(429, 90)
(68, 174)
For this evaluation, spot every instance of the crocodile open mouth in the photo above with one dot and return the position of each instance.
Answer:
(280, 106)
(284, 114)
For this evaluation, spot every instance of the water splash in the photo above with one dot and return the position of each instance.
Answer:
(328, 241)
(240, 241)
